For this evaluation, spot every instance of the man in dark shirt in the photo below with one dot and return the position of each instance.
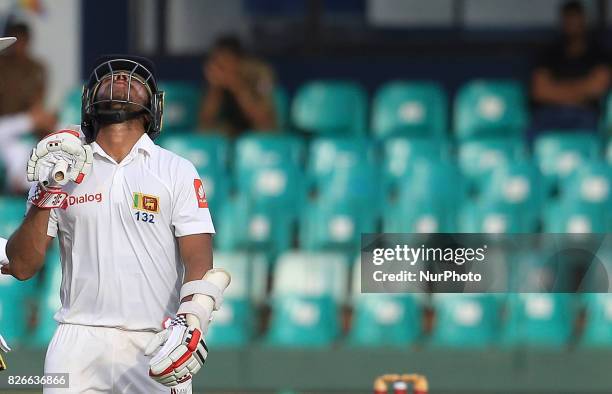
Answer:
(571, 78)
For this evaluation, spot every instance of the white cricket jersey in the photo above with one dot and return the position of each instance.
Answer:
(120, 258)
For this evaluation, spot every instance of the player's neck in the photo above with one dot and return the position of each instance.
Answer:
(118, 139)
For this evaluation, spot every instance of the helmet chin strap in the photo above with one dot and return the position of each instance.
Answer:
(109, 116)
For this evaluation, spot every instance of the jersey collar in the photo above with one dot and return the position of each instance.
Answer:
(144, 144)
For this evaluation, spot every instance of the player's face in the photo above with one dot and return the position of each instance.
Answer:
(120, 86)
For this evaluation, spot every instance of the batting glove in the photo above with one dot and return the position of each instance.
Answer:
(57, 159)
(182, 352)
(5, 348)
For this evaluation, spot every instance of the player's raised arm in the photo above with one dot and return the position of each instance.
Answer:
(59, 158)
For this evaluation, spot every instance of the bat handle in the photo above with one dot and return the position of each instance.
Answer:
(60, 173)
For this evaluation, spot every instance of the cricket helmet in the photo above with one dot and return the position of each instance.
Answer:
(96, 111)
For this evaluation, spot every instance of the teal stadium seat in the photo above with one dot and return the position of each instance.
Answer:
(510, 202)
(576, 217)
(234, 324)
(270, 191)
(384, 319)
(493, 217)
(181, 106)
(71, 108)
(346, 169)
(49, 301)
(415, 109)
(330, 107)
(540, 319)
(490, 108)
(465, 320)
(427, 200)
(400, 154)
(558, 154)
(590, 183)
(208, 153)
(335, 224)
(15, 294)
(478, 158)
(307, 291)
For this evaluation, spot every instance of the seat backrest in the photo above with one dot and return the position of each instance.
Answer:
(181, 105)
(410, 109)
(311, 274)
(268, 171)
(344, 168)
(558, 154)
(331, 107)
(490, 107)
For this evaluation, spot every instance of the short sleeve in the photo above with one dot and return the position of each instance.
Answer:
(52, 226)
(190, 213)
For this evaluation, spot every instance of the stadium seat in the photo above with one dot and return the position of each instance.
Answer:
(271, 190)
(559, 154)
(490, 108)
(510, 202)
(208, 153)
(540, 319)
(494, 217)
(307, 290)
(234, 324)
(49, 301)
(249, 226)
(71, 108)
(384, 319)
(330, 107)
(598, 326)
(399, 155)
(574, 217)
(335, 224)
(465, 320)
(590, 184)
(345, 169)
(427, 201)
(181, 105)
(480, 157)
(267, 169)
(415, 109)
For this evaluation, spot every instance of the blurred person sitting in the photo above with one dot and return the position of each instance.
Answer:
(22, 90)
(240, 91)
(571, 77)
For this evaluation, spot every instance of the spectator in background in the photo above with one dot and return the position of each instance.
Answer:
(240, 91)
(22, 91)
(571, 77)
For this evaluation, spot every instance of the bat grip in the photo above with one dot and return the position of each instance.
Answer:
(59, 174)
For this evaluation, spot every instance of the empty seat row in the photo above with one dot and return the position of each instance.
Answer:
(306, 301)
(339, 107)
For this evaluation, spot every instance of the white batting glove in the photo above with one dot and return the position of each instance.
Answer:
(5, 348)
(182, 352)
(3, 258)
(57, 159)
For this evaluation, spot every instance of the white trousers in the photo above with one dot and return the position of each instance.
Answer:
(103, 360)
